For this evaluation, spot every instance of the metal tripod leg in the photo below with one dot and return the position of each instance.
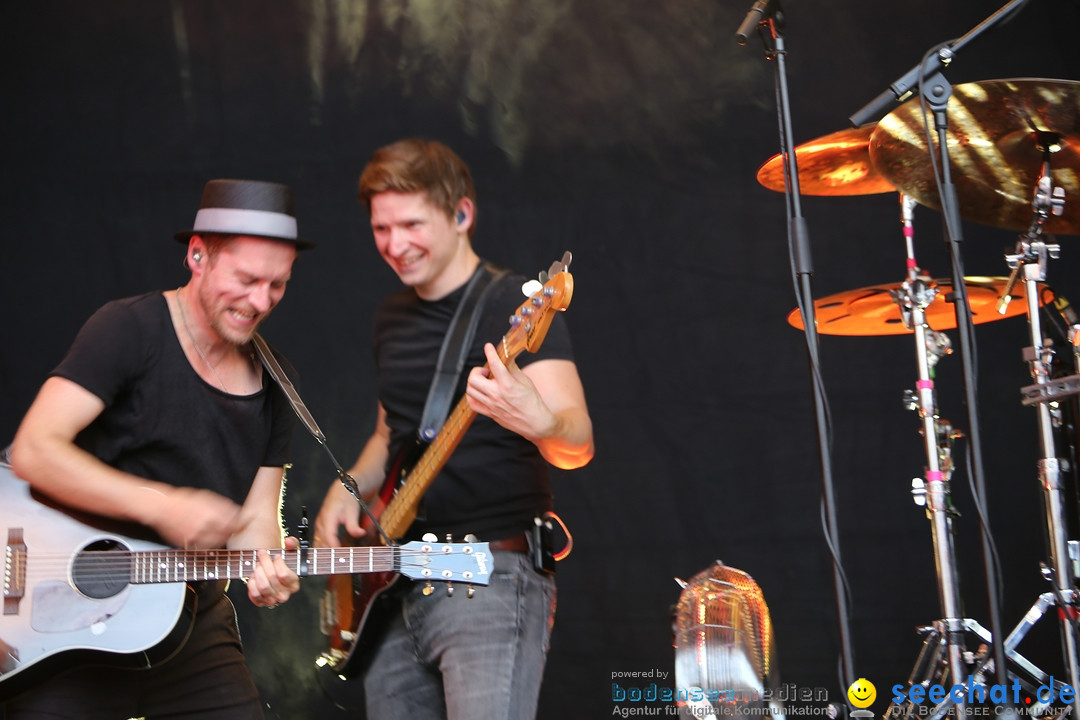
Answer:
(1026, 671)
(931, 668)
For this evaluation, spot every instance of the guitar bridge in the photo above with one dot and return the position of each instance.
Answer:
(14, 571)
(328, 613)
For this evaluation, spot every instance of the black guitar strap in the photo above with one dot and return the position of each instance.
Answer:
(455, 348)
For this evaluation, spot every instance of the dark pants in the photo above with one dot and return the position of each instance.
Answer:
(206, 679)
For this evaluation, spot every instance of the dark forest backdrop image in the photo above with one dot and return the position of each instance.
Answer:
(628, 132)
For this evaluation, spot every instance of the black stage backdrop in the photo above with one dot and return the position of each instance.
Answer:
(629, 132)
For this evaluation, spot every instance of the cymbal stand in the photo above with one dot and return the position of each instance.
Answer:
(944, 659)
(913, 297)
(1030, 259)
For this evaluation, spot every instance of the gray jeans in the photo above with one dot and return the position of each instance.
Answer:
(460, 658)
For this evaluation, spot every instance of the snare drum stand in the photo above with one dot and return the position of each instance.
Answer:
(1031, 259)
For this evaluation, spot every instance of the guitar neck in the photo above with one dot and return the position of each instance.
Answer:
(528, 327)
(401, 510)
(167, 566)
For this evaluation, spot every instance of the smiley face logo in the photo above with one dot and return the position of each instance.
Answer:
(862, 693)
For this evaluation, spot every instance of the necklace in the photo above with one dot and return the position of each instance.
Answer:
(183, 319)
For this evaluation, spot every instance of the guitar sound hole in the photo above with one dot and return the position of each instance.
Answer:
(102, 569)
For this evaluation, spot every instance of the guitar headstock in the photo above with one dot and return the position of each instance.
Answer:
(446, 562)
(530, 323)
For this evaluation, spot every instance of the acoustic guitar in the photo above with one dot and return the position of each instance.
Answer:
(77, 592)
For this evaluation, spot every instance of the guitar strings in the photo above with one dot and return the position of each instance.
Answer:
(121, 557)
(110, 562)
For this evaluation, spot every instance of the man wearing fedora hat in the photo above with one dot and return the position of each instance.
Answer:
(161, 416)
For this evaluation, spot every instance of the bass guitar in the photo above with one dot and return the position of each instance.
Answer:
(354, 610)
(75, 592)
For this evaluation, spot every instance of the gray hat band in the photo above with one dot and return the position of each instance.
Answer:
(235, 221)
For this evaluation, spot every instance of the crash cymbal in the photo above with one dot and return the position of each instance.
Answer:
(872, 310)
(996, 131)
(835, 164)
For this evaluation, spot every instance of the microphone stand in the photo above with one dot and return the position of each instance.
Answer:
(906, 85)
(769, 18)
(935, 91)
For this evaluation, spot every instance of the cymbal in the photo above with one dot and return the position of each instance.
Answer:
(834, 164)
(872, 311)
(995, 134)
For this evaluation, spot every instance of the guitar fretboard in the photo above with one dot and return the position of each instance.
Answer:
(164, 566)
(401, 511)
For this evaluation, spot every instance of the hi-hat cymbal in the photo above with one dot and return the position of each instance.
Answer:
(996, 131)
(835, 164)
(872, 310)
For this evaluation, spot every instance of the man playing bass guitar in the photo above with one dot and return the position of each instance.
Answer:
(450, 655)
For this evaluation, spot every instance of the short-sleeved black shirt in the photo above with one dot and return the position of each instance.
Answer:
(161, 420)
(495, 482)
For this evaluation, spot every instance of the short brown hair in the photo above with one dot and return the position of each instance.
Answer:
(417, 165)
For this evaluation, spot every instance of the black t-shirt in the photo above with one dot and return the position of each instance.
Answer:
(161, 420)
(496, 481)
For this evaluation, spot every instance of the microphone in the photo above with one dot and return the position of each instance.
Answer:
(904, 87)
(934, 62)
(760, 10)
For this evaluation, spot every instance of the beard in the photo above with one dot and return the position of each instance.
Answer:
(215, 310)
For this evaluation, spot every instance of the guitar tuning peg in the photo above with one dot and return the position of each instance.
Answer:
(428, 589)
(470, 592)
(430, 537)
(449, 589)
(449, 538)
(531, 287)
(470, 538)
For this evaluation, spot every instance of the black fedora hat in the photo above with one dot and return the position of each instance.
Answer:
(247, 207)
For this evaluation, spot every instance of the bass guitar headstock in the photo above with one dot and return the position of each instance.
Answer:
(530, 323)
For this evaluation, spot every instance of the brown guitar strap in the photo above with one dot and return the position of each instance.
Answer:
(273, 367)
(278, 374)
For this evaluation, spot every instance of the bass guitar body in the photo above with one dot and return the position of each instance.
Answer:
(356, 609)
